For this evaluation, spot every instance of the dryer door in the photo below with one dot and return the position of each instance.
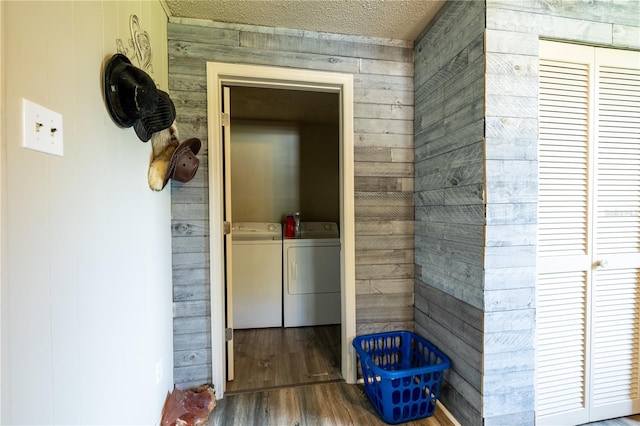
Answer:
(313, 269)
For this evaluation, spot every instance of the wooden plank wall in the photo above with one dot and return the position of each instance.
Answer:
(475, 264)
(449, 199)
(384, 172)
(512, 34)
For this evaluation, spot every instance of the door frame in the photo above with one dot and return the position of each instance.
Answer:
(219, 74)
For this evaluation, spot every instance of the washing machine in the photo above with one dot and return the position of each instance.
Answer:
(256, 264)
(311, 276)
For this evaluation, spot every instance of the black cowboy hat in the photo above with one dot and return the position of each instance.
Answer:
(160, 119)
(129, 92)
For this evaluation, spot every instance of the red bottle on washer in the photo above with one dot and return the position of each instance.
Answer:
(289, 226)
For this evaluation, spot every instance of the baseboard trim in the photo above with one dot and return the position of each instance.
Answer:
(447, 413)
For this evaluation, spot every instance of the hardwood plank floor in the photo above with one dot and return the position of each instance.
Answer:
(292, 376)
(274, 357)
(620, 421)
(321, 404)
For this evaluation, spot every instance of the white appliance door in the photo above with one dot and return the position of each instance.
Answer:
(257, 286)
(226, 153)
(314, 269)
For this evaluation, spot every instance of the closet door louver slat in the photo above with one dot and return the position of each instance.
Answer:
(588, 289)
(562, 231)
(563, 158)
(616, 316)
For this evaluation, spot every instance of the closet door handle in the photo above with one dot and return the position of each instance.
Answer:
(601, 263)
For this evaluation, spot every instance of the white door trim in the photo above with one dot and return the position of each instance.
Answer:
(2, 195)
(219, 74)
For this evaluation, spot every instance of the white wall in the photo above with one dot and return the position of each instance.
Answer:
(86, 273)
(265, 169)
(279, 166)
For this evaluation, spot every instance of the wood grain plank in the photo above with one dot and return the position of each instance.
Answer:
(384, 67)
(327, 46)
(626, 36)
(190, 325)
(191, 341)
(187, 83)
(273, 357)
(384, 286)
(375, 184)
(383, 198)
(498, 41)
(381, 327)
(197, 291)
(376, 315)
(612, 11)
(372, 153)
(365, 168)
(191, 244)
(190, 211)
(200, 52)
(201, 34)
(182, 228)
(191, 308)
(373, 257)
(307, 405)
(192, 357)
(385, 97)
(372, 242)
(436, 49)
(185, 377)
(384, 212)
(382, 271)
(378, 139)
(386, 126)
(182, 261)
(441, 140)
(461, 157)
(382, 110)
(547, 25)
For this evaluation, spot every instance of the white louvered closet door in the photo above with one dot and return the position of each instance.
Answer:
(588, 301)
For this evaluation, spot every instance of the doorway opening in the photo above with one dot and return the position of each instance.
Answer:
(219, 77)
(284, 293)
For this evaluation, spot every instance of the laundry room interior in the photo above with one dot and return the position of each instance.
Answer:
(285, 289)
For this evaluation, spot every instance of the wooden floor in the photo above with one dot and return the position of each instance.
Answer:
(269, 358)
(621, 421)
(317, 404)
(292, 376)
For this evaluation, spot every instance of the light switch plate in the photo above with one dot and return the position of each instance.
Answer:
(42, 129)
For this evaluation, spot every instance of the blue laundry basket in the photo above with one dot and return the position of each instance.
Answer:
(402, 374)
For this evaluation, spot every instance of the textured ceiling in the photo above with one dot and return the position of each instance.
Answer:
(393, 19)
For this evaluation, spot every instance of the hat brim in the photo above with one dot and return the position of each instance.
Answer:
(110, 97)
(162, 118)
(192, 144)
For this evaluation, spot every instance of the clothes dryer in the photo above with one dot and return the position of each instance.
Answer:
(311, 276)
(256, 275)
